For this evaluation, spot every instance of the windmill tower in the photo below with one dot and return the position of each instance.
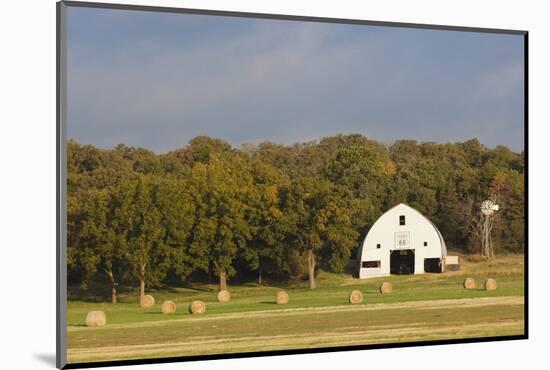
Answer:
(487, 210)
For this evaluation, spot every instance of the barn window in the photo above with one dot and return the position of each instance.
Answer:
(371, 264)
(377, 246)
(402, 220)
(425, 244)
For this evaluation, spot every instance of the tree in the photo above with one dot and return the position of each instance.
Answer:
(94, 249)
(201, 149)
(275, 209)
(365, 170)
(269, 226)
(323, 224)
(173, 200)
(143, 161)
(138, 225)
(338, 227)
(220, 188)
(302, 207)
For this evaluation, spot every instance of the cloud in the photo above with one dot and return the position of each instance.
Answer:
(281, 81)
(503, 81)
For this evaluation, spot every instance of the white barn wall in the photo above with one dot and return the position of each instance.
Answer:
(383, 231)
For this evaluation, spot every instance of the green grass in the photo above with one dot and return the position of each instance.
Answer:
(298, 329)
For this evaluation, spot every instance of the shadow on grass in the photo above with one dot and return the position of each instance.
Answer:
(187, 288)
(169, 315)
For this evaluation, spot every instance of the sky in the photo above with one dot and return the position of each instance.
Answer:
(156, 80)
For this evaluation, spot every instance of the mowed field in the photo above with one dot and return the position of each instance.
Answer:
(420, 308)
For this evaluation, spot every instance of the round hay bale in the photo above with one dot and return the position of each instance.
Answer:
(355, 297)
(386, 287)
(197, 307)
(168, 307)
(224, 296)
(490, 284)
(282, 297)
(147, 301)
(469, 283)
(96, 318)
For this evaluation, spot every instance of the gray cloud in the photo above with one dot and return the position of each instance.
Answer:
(288, 82)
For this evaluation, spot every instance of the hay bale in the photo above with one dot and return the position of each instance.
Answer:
(469, 283)
(96, 318)
(282, 297)
(490, 284)
(147, 301)
(168, 307)
(197, 307)
(386, 287)
(355, 297)
(224, 296)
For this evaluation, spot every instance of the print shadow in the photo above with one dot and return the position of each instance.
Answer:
(46, 358)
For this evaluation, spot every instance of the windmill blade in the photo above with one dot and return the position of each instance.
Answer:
(487, 207)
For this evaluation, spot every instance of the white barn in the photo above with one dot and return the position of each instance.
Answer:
(401, 241)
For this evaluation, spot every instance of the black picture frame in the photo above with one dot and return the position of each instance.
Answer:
(61, 175)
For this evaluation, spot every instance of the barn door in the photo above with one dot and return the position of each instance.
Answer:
(402, 261)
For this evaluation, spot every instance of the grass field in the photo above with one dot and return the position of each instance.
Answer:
(421, 307)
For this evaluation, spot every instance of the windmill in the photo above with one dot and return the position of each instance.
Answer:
(487, 210)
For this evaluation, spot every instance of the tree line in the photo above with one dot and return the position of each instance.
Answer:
(281, 211)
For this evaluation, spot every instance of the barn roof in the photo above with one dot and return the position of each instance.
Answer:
(443, 245)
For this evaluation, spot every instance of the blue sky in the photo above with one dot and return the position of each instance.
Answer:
(156, 80)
